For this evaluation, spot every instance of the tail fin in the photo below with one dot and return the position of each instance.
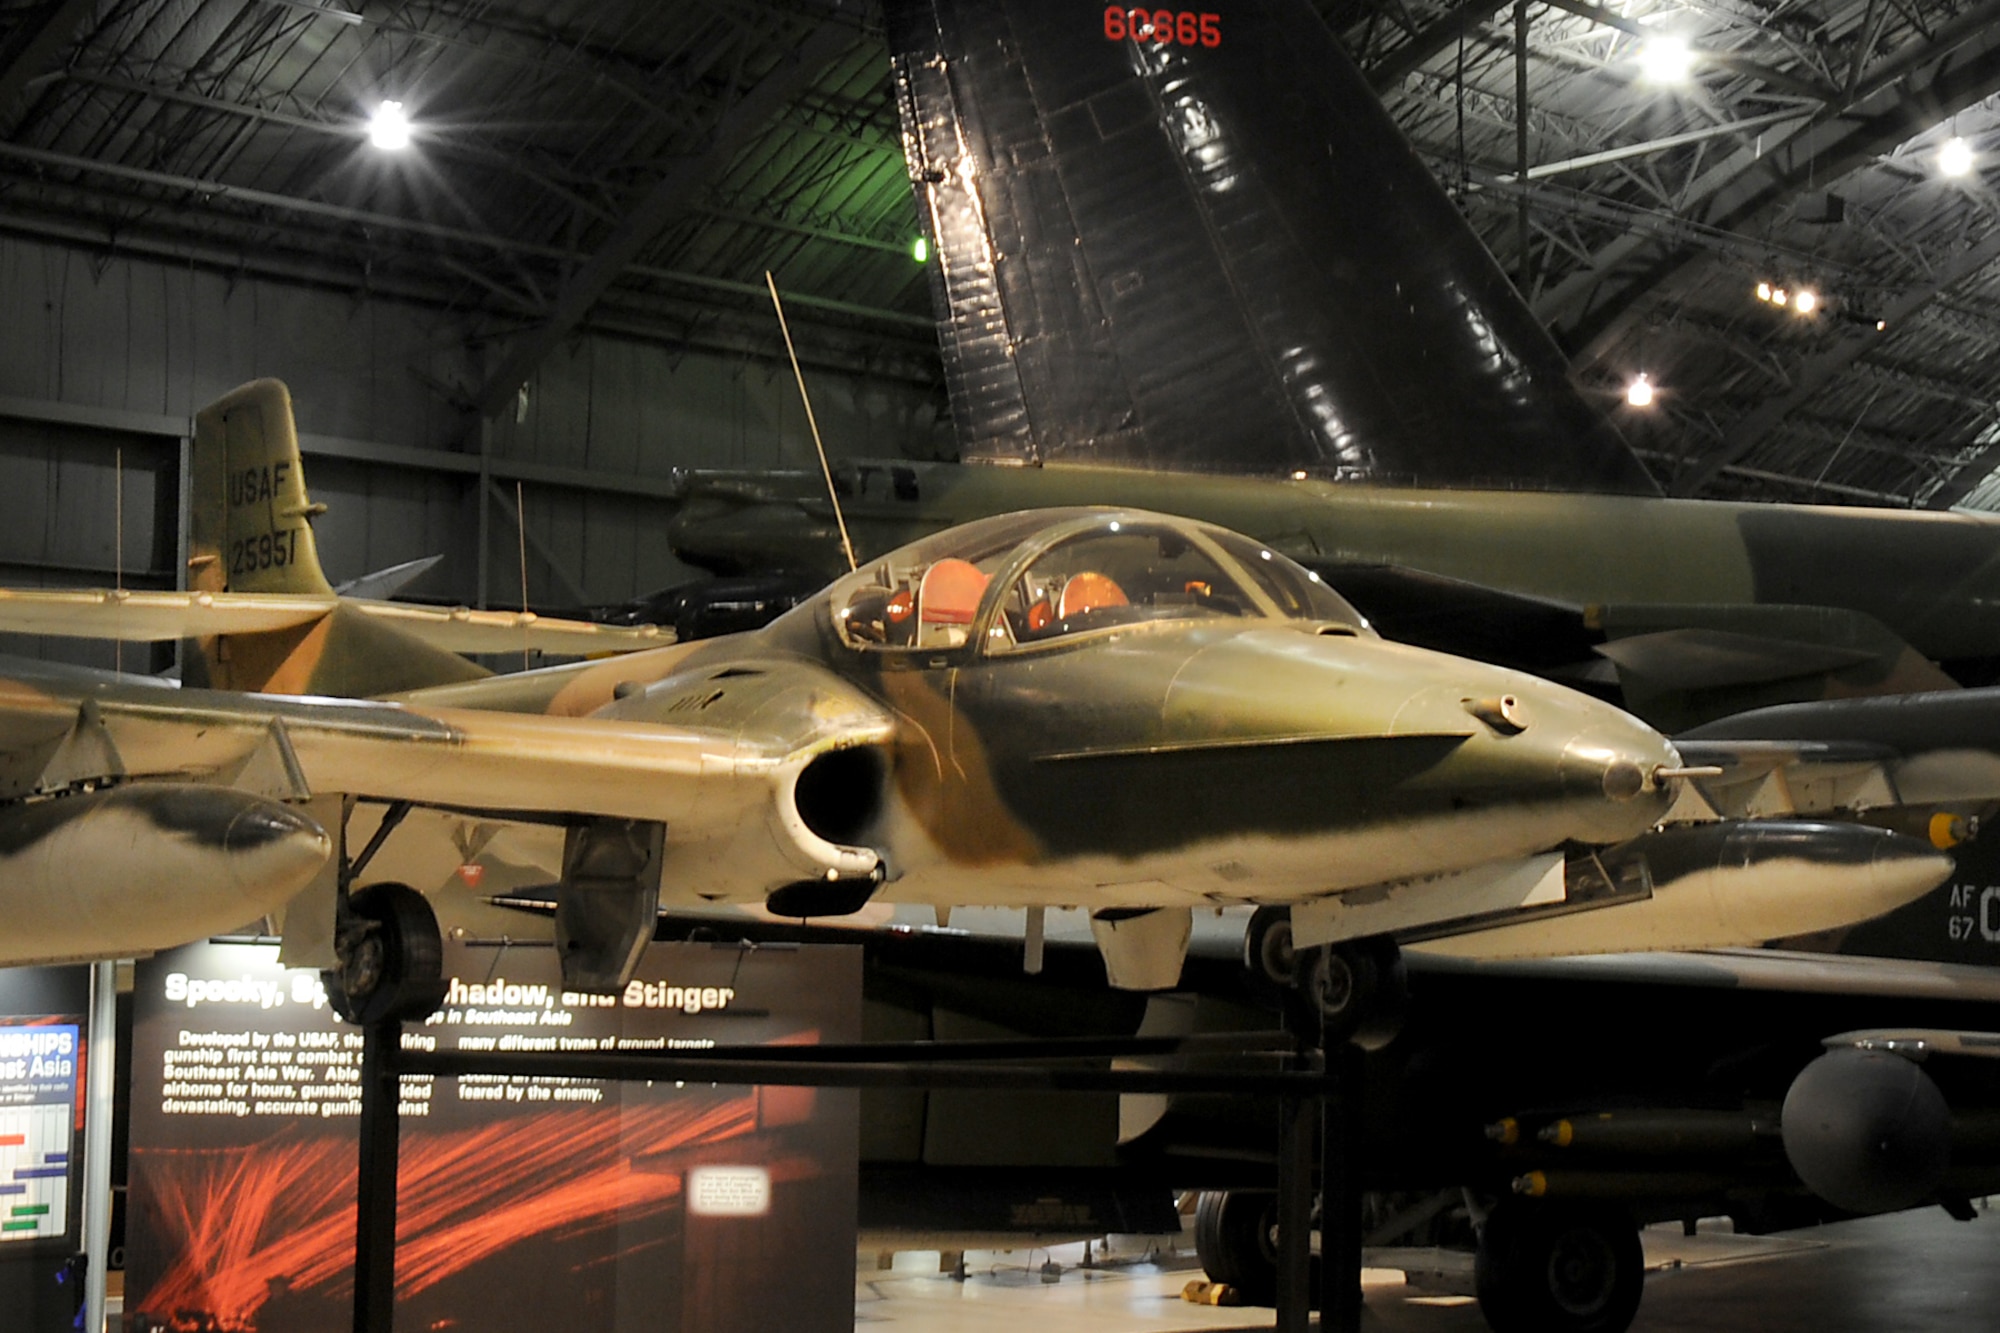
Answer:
(1197, 241)
(250, 531)
(248, 525)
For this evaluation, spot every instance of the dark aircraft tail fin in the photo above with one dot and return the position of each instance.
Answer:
(1195, 240)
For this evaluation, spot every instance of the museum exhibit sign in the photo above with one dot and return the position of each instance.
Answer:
(42, 1029)
(525, 1202)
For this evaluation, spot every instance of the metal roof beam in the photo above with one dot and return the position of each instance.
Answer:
(1434, 40)
(1651, 146)
(215, 191)
(1960, 67)
(346, 130)
(669, 197)
(1729, 60)
(34, 48)
(1813, 376)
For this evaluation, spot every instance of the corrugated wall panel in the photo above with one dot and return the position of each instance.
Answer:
(162, 339)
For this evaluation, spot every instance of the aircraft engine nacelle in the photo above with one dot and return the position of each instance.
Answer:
(833, 804)
(1867, 1130)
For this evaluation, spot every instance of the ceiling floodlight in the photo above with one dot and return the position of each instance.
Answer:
(920, 249)
(1804, 299)
(389, 127)
(1639, 392)
(1666, 60)
(1763, 291)
(1956, 157)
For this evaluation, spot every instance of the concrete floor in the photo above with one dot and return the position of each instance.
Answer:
(1911, 1273)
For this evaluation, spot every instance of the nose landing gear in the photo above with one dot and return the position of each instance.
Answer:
(1351, 991)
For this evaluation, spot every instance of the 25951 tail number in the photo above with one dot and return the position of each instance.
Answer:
(270, 550)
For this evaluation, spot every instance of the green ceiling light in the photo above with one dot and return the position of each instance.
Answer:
(920, 249)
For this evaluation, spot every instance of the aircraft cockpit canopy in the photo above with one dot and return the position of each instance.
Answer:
(1026, 579)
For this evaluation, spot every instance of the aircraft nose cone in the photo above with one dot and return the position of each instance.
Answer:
(1610, 762)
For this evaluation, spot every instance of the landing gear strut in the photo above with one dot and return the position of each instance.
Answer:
(1352, 991)
(1558, 1268)
(391, 957)
(388, 952)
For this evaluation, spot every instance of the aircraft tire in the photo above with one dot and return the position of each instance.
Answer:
(392, 969)
(1355, 991)
(1235, 1237)
(1267, 951)
(1558, 1268)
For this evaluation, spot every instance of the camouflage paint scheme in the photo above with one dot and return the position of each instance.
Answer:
(1162, 764)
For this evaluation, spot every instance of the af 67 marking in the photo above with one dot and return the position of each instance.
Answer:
(1983, 905)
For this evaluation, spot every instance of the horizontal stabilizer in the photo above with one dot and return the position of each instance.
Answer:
(1706, 659)
(1679, 664)
(156, 617)
(388, 582)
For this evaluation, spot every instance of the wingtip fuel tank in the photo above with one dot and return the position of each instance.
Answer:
(133, 869)
(1717, 885)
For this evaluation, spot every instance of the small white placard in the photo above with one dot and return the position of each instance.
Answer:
(729, 1191)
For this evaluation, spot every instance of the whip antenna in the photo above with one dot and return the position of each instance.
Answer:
(846, 546)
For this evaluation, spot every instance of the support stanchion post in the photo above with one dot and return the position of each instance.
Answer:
(375, 1193)
(1300, 1117)
(1340, 1225)
(101, 1053)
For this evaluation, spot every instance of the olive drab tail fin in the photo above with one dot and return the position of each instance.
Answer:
(1194, 240)
(249, 520)
(250, 531)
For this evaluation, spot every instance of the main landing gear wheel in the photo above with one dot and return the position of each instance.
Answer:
(391, 957)
(1236, 1239)
(1354, 991)
(1558, 1268)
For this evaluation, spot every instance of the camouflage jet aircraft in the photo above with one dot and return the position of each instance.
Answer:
(1159, 261)
(1137, 714)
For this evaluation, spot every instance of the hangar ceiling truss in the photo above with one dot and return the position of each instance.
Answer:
(631, 167)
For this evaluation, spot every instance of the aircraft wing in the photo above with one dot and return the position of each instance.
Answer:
(141, 616)
(724, 793)
(1678, 660)
(1745, 969)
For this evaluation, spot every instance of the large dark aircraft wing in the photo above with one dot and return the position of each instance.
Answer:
(1670, 661)
(1198, 242)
